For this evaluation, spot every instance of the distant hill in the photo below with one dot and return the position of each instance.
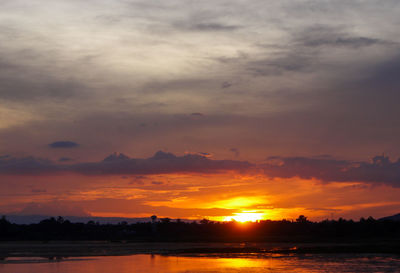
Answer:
(395, 217)
(32, 219)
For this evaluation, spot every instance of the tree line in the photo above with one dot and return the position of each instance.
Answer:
(166, 229)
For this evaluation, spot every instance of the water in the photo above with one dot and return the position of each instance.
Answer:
(216, 264)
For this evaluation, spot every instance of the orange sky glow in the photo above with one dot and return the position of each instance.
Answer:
(221, 197)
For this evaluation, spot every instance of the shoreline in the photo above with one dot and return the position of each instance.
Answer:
(59, 250)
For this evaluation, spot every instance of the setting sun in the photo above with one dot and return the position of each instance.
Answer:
(245, 217)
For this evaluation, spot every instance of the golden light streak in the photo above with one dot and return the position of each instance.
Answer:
(239, 202)
(247, 216)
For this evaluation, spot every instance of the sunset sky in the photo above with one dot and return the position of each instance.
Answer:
(200, 109)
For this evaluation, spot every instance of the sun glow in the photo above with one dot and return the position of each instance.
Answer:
(239, 202)
(243, 217)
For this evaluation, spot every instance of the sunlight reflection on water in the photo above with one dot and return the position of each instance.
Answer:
(163, 264)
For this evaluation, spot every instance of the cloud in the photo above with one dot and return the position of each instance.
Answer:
(38, 190)
(103, 206)
(205, 27)
(285, 62)
(379, 170)
(116, 157)
(65, 159)
(197, 114)
(27, 165)
(55, 208)
(325, 169)
(226, 85)
(354, 42)
(307, 49)
(235, 151)
(22, 83)
(188, 70)
(63, 144)
(120, 164)
(213, 27)
(160, 163)
(328, 36)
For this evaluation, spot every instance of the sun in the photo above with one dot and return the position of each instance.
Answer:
(247, 216)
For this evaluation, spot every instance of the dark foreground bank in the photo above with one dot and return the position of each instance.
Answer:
(55, 238)
(165, 230)
(60, 250)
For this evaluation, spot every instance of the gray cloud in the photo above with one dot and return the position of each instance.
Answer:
(326, 68)
(54, 208)
(38, 190)
(65, 159)
(354, 42)
(328, 36)
(288, 62)
(306, 48)
(379, 170)
(197, 114)
(27, 165)
(81, 208)
(326, 169)
(211, 27)
(120, 164)
(226, 84)
(235, 151)
(23, 82)
(63, 144)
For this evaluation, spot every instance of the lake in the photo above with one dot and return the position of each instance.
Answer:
(217, 264)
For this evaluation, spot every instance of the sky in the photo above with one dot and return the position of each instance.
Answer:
(200, 109)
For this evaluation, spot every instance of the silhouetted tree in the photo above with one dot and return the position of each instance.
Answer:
(205, 230)
(302, 219)
(204, 221)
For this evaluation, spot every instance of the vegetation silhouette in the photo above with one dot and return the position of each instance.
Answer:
(167, 230)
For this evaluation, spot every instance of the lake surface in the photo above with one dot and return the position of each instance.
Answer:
(216, 264)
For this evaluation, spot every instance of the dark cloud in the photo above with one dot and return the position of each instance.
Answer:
(206, 27)
(38, 190)
(63, 144)
(65, 159)
(235, 151)
(116, 157)
(305, 49)
(81, 208)
(25, 83)
(354, 42)
(379, 170)
(205, 154)
(328, 36)
(226, 85)
(383, 77)
(53, 208)
(295, 61)
(348, 102)
(326, 169)
(323, 156)
(138, 179)
(27, 165)
(120, 164)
